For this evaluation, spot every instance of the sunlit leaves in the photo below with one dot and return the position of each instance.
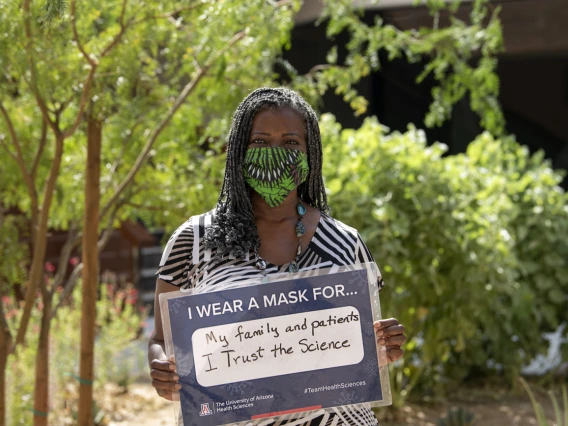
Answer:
(145, 54)
(472, 247)
(461, 58)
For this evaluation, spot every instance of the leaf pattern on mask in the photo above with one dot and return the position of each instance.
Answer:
(274, 172)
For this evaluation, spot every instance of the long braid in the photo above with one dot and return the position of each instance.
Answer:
(234, 231)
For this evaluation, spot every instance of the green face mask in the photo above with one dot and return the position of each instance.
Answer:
(274, 172)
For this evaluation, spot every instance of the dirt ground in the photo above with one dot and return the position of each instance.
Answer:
(141, 406)
(508, 412)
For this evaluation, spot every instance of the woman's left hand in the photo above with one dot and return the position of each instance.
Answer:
(390, 333)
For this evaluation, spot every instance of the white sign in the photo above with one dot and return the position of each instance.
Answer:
(276, 346)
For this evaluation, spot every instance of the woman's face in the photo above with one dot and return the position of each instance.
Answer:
(278, 128)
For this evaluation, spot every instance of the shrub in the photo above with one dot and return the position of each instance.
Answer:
(118, 324)
(472, 247)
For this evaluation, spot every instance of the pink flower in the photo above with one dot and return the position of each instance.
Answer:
(6, 300)
(49, 267)
(74, 261)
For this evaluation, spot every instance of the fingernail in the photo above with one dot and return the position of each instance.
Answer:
(178, 386)
(176, 377)
(172, 367)
(382, 341)
(380, 333)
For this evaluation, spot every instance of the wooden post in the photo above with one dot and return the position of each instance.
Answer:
(90, 270)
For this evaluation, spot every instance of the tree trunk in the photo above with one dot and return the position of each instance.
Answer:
(40, 243)
(90, 270)
(41, 390)
(5, 343)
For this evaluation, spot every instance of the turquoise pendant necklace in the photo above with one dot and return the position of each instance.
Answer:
(300, 231)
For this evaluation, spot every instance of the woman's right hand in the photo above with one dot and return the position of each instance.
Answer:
(164, 377)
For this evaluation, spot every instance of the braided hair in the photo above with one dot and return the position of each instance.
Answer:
(234, 232)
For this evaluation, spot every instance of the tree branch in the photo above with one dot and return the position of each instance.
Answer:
(118, 160)
(39, 153)
(93, 62)
(76, 273)
(122, 13)
(162, 125)
(114, 41)
(68, 288)
(107, 233)
(82, 104)
(19, 158)
(40, 241)
(10, 153)
(76, 39)
(33, 82)
(73, 240)
(318, 68)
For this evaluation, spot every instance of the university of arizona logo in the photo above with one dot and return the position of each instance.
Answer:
(205, 410)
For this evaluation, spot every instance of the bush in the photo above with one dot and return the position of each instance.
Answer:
(472, 247)
(118, 324)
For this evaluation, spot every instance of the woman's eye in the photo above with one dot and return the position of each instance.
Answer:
(258, 141)
(292, 142)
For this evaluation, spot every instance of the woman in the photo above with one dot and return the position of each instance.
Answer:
(271, 217)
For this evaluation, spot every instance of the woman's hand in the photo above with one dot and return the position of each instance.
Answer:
(164, 378)
(390, 334)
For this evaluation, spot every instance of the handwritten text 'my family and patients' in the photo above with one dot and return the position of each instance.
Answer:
(305, 345)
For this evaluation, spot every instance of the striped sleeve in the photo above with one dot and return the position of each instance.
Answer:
(363, 255)
(176, 258)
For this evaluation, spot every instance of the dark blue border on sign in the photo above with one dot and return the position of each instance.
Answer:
(288, 390)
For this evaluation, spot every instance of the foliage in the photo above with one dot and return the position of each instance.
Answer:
(162, 78)
(20, 377)
(130, 66)
(461, 58)
(457, 417)
(472, 247)
(141, 54)
(118, 320)
(118, 324)
(157, 48)
(126, 63)
(12, 251)
(561, 415)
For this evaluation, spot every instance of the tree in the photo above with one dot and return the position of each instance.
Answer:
(130, 67)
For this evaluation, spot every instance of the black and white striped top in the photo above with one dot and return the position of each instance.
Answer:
(186, 264)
